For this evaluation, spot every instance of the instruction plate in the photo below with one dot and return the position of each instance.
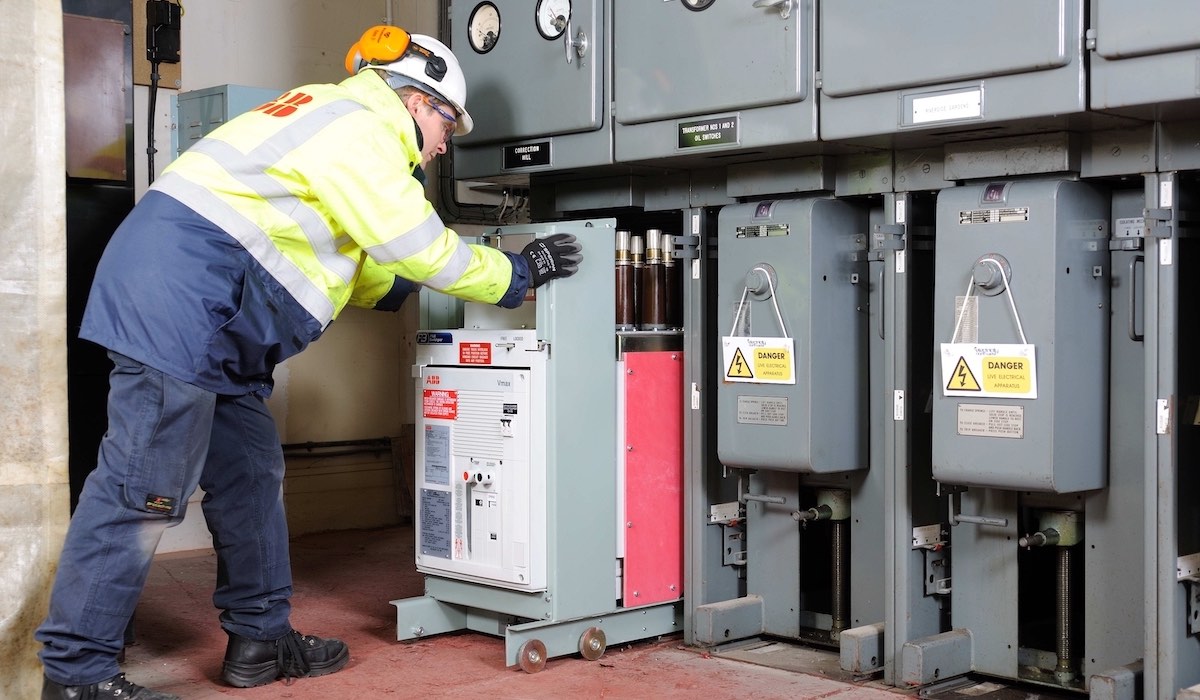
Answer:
(978, 420)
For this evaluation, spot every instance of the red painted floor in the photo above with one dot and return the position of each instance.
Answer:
(343, 582)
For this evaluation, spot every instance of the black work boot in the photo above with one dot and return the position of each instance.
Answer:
(249, 663)
(115, 687)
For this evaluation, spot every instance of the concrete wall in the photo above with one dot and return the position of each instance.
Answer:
(34, 495)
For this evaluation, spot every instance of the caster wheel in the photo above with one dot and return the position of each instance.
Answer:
(592, 643)
(532, 656)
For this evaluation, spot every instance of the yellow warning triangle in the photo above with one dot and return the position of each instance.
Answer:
(738, 367)
(961, 378)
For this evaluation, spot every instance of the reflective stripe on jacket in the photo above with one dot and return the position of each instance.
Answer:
(316, 180)
(253, 241)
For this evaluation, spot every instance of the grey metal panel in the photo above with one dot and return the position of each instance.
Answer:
(791, 175)
(1056, 152)
(1145, 80)
(864, 173)
(871, 46)
(1027, 63)
(868, 507)
(733, 62)
(706, 580)
(580, 446)
(934, 658)
(984, 595)
(920, 169)
(773, 560)
(524, 87)
(1118, 152)
(524, 91)
(1115, 600)
(824, 428)
(1179, 146)
(672, 62)
(1146, 52)
(567, 151)
(1063, 310)
(1124, 29)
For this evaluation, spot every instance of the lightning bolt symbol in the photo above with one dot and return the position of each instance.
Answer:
(740, 365)
(962, 375)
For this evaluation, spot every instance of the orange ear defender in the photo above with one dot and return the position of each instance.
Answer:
(379, 44)
(383, 44)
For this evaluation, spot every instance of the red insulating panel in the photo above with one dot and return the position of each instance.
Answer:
(653, 477)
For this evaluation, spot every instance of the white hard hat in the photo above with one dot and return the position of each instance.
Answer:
(418, 60)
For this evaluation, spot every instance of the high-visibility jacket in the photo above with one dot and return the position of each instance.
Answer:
(255, 238)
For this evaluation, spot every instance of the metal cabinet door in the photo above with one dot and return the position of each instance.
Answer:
(1125, 29)
(525, 86)
(869, 46)
(1146, 53)
(890, 67)
(670, 61)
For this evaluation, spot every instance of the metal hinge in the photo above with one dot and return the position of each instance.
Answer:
(1158, 223)
(888, 237)
(683, 247)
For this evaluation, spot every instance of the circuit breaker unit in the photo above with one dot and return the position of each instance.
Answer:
(481, 511)
(547, 512)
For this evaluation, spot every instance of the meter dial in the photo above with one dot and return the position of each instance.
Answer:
(483, 29)
(697, 5)
(551, 17)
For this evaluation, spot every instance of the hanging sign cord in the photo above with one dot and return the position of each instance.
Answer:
(1012, 304)
(774, 302)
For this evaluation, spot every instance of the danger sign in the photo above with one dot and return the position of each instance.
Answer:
(1002, 371)
(759, 360)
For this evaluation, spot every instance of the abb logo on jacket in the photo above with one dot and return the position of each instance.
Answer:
(285, 105)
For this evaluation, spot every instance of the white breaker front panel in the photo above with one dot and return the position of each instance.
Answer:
(480, 457)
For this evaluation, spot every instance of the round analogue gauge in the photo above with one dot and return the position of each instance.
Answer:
(483, 29)
(697, 5)
(551, 17)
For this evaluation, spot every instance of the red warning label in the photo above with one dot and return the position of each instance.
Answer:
(440, 403)
(475, 353)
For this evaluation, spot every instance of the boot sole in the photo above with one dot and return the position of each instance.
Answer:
(253, 675)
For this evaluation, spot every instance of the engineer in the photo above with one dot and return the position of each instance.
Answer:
(239, 256)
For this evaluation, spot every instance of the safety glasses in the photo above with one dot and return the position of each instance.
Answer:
(451, 121)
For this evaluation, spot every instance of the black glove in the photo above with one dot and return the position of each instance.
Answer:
(552, 257)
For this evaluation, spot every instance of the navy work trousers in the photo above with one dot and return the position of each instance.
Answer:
(164, 437)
